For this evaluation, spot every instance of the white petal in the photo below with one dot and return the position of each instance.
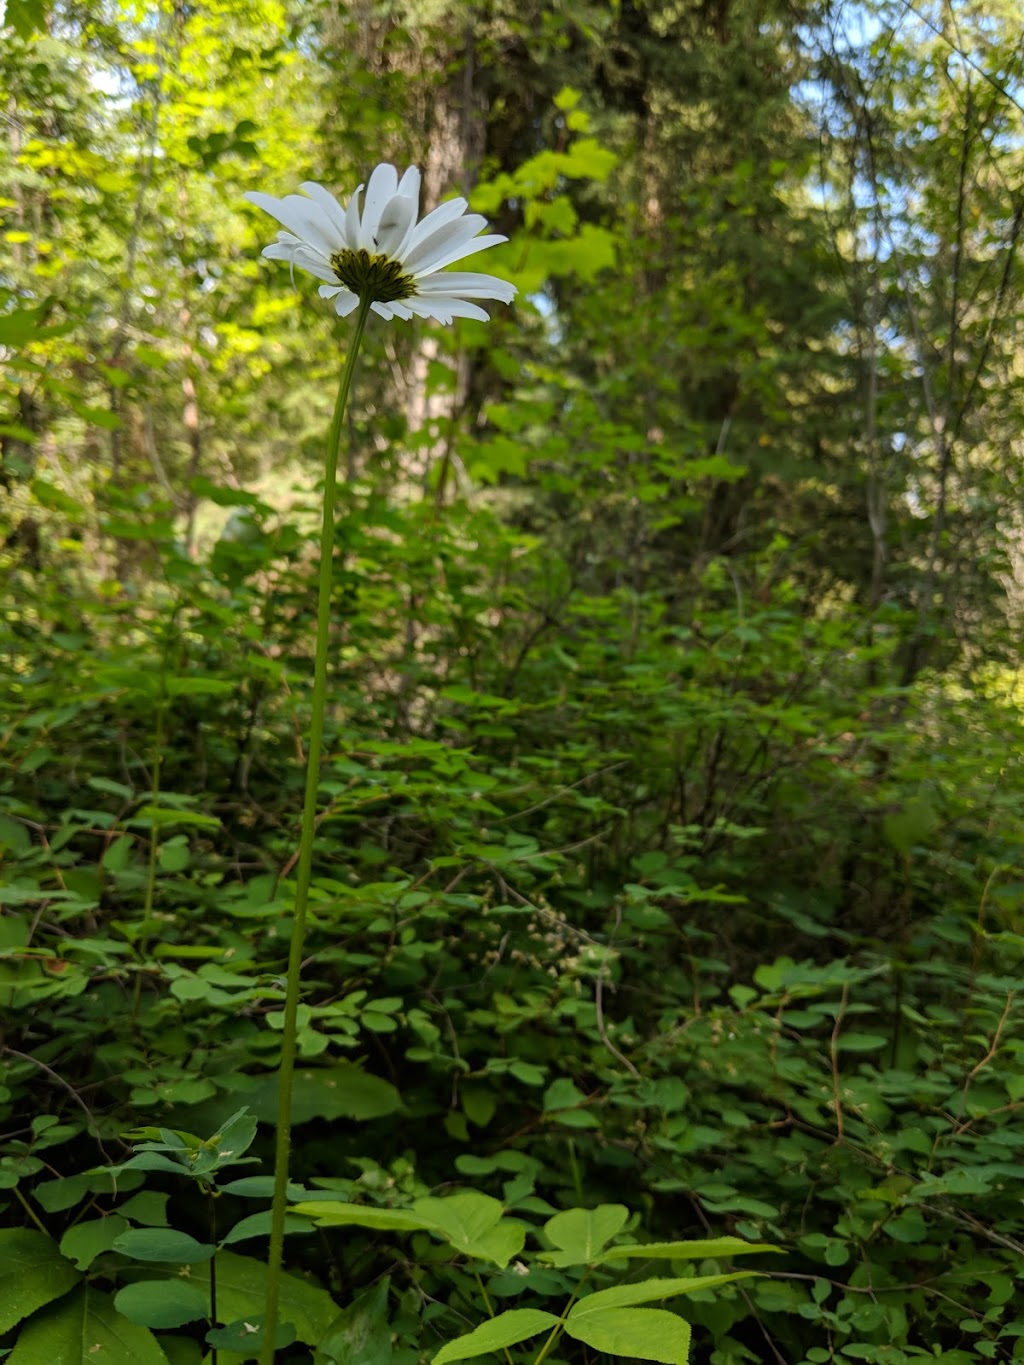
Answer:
(352, 220)
(301, 216)
(466, 249)
(421, 257)
(409, 185)
(328, 203)
(382, 187)
(302, 256)
(344, 299)
(345, 302)
(444, 308)
(444, 213)
(383, 310)
(466, 284)
(396, 220)
(401, 311)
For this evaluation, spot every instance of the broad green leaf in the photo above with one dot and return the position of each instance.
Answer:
(258, 1225)
(474, 1224)
(150, 1161)
(328, 1214)
(163, 1303)
(156, 817)
(162, 1244)
(644, 1333)
(246, 1337)
(329, 1092)
(717, 1247)
(241, 1292)
(182, 1351)
(32, 1273)
(147, 1207)
(24, 324)
(647, 1291)
(83, 1242)
(237, 1134)
(83, 1329)
(260, 1187)
(360, 1334)
(580, 1235)
(562, 1094)
(518, 1324)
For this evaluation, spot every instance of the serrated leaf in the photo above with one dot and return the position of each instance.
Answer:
(82, 1329)
(32, 1273)
(518, 1324)
(645, 1333)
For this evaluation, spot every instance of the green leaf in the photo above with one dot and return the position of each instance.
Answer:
(162, 1244)
(718, 1247)
(182, 1351)
(360, 1334)
(258, 1225)
(562, 1094)
(646, 1333)
(241, 1292)
(647, 1291)
(246, 1337)
(328, 1214)
(470, 1222)
(260, 1187)
(23, 324)
(912, 824)
(85, 1241)
(237, 1134)
(163, 1303)
(329, 1092)
(474, 1224)
(580, 1235)
(567, 98)
(83, 1329)
(518, 1324)
(156, 817)
(32, 1273)
(147, 1207)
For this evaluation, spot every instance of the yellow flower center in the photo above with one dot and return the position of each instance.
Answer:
(378, 278)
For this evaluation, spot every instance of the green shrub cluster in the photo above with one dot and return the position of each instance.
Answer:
(622, 898)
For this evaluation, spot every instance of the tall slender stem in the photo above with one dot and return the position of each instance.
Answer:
(316, 732)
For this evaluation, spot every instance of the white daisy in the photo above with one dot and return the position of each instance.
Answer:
(383, 253)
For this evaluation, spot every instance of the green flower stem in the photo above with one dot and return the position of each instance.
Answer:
(142, 946)
(316, 733)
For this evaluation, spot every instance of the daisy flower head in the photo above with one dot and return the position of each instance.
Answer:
(383, 251)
